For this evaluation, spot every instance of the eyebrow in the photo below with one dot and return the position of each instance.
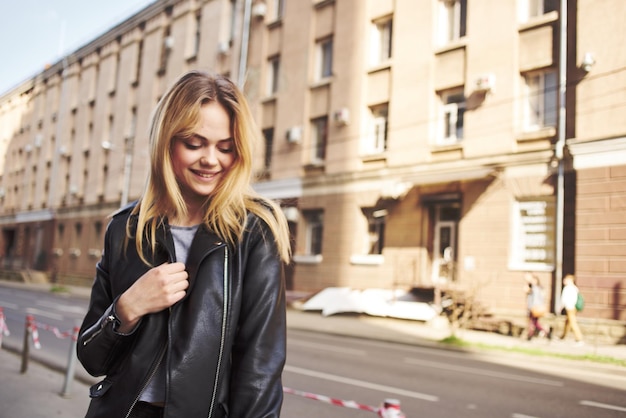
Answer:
(202, 138)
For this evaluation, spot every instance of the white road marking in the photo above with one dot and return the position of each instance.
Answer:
(8, 305)
(362, 384)
(326, 347)
(62, 308)
(47, 314)
(482, 372)
(523, 416)
(603, 406)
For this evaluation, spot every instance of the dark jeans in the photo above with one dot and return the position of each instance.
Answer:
(146, 410)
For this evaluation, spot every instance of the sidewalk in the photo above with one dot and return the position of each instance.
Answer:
(37, 392)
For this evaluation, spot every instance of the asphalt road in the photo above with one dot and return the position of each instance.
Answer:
(326, 372)
(440, 383)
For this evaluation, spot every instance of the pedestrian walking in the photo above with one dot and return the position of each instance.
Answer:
(536, 306)
(570, 295)
(187, 313)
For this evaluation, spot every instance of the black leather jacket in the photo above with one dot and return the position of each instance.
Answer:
(224, 344)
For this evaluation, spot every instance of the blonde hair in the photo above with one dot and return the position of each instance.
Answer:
(226, 209)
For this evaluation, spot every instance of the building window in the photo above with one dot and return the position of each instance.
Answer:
(166, 48)
(319, 135)
(533, 233)
(197, 35)
(530, 9)
(452, 18)
(541, 95)
(268, 135)
(376, 140)
(452, 114)
(376, 229)
(273, 73)
(324, 68)
(278, 10)
(232, 24)
(381, 41)
(314, 230)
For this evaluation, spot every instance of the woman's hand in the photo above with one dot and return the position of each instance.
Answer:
(159, 288)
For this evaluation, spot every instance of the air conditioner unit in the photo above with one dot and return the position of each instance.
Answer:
(38, 140)
(28, 148)
(168, 42)
(63, 151)
(223, 47)
(342, 116)
(259, 10)
(294, 135)
(486, 83)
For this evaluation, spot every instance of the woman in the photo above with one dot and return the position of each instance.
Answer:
(535, 303)
(569, 296)
(187, 311)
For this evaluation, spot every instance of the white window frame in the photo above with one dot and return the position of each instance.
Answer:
(278, 10)
(452, 108)
(376, 138)
(273, 74)
(319, 139)
(532, 226)
(381, 41)
(314, 227)
(324, 59)
(449, 27)
(540, 100)
(531, 9)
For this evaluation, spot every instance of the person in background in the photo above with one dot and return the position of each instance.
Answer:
(536, 305)
(187, 313)
(569, 296)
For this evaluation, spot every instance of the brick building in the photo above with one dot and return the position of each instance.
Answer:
(411, 143)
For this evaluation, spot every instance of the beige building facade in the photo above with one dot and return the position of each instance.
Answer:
(412, 143)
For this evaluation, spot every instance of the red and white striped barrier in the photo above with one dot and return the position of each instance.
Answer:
(389, 409)
(73, 333)
(4, 329)
(34, 327)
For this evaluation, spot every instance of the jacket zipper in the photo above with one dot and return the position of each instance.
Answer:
(152, 373)
(222, 340)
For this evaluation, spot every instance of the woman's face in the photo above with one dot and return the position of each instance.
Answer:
(201, 161)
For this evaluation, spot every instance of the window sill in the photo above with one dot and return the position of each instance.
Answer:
(269, 99)
(308, 259)
(275, 24)
(320, 83)
(367, 259)
(537, 21)
(382, 66)
(537, 135)
(315, 165)
(374, 157)
(446, 147)
(452, 45)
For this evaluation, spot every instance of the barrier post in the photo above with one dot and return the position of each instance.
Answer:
(4, 329)
(71, 366)
(391, 409)
(26, 347)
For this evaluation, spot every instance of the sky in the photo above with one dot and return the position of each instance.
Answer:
(39, 32)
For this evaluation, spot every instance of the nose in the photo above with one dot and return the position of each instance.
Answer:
(209, 157)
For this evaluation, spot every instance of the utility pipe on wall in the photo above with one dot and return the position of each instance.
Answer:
(245, 37)
(558, 152)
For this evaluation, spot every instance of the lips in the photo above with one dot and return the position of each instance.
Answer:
(205, 175)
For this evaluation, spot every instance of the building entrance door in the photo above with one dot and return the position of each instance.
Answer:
(444, 243)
